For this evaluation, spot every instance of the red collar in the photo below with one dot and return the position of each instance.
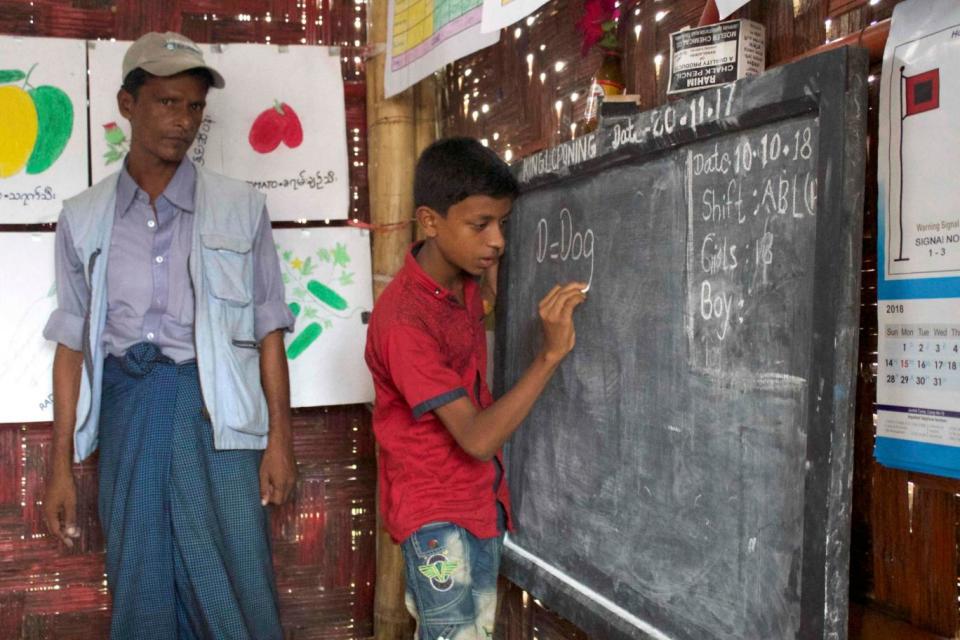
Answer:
(426, 282)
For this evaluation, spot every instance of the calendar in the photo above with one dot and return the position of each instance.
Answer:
(918, 377)
(918, 372)
(918, 242)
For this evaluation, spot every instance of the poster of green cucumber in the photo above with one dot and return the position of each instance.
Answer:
(29, 297)
(43, 126)
(327, 276)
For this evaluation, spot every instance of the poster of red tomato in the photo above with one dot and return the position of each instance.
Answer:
(278, 124)
(43, 126)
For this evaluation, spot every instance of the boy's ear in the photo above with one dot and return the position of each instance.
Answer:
(427, 219)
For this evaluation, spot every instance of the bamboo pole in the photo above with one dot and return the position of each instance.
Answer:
(390, 135)
(391, 156)
(426, 125)
(426, 112)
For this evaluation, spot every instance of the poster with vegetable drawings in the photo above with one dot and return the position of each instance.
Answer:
(43, 126)
(29, 296)
(327, 275)
(109, 132)
(279, 124)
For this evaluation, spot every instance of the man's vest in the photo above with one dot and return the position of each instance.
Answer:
(226, 219)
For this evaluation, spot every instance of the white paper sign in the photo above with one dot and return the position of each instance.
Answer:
(425, 35)
(109, 133)
(279, 124)
(726, 7)
(498, 14)
(328, 279)
(29, 297)
(43, 127)
(918, 241)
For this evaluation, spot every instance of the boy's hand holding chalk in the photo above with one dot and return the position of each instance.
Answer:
(556, 314)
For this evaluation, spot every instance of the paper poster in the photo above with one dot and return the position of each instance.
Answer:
(498, 14)
(425, 35)
(279, 124)
(328, 279)
(726, 7)
(918, 246)
(29, 297)
(43, 126)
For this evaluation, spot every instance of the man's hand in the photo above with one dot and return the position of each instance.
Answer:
(278, 469)
(556, 314)
(60, 495)
(278, 473)
(60, 507)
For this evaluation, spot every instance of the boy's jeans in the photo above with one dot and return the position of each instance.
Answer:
(451, 582)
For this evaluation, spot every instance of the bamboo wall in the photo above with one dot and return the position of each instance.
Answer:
(323, 542)
(904, 560)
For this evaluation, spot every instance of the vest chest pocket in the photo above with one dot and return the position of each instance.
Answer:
(227, 267)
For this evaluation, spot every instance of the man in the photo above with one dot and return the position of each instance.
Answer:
(170, 360)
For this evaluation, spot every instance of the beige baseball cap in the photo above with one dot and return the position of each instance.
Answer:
(167, 54)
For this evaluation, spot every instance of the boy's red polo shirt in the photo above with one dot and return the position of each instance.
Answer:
(425, 349)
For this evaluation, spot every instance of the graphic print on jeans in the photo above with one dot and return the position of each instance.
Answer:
(451, 582)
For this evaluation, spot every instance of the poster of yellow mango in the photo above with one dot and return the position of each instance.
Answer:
(43, 126)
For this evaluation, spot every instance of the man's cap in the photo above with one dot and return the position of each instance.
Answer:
(167, 54)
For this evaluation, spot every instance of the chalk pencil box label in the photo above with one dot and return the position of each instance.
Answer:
(715, 55)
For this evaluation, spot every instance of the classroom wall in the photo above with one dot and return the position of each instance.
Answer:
(323, 542)
(903, 573)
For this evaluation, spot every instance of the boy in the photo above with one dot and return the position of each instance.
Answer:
(168, 285)
(442, 492)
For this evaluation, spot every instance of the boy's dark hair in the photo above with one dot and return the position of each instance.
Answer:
(453, 169)
(138, 77)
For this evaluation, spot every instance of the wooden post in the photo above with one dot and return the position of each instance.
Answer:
(391, 156)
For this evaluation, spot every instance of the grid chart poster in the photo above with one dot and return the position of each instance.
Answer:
(278, 124)
(918, 373)
(328, 279)
(29, 297)
(43, 126)
(425, 35)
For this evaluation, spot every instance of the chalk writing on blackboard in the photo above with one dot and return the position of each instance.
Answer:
(670, 119)
(747, 196)
(565, 243)
(561, 157)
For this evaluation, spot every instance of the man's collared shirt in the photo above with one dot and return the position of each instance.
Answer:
(426, 349)
(149, 292)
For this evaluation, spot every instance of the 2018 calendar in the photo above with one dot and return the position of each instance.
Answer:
(918, 371)
(918, 242)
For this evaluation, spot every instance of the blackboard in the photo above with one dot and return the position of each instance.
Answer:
(687, 472)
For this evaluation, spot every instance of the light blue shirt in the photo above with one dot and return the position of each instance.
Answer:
(149, 293)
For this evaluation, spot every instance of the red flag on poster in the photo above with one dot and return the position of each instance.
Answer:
(923, 92)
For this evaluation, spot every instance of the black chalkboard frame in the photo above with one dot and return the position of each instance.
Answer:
(833, 86)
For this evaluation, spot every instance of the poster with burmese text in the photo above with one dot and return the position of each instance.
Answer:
(329, 283)
(279, 124)
(43, 127)
(26, 358)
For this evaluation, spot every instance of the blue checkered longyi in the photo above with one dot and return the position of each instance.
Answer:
(188, 553)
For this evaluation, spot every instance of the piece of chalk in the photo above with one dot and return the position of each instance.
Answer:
(585, 289)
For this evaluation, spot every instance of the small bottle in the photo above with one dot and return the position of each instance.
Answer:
(608, 81)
